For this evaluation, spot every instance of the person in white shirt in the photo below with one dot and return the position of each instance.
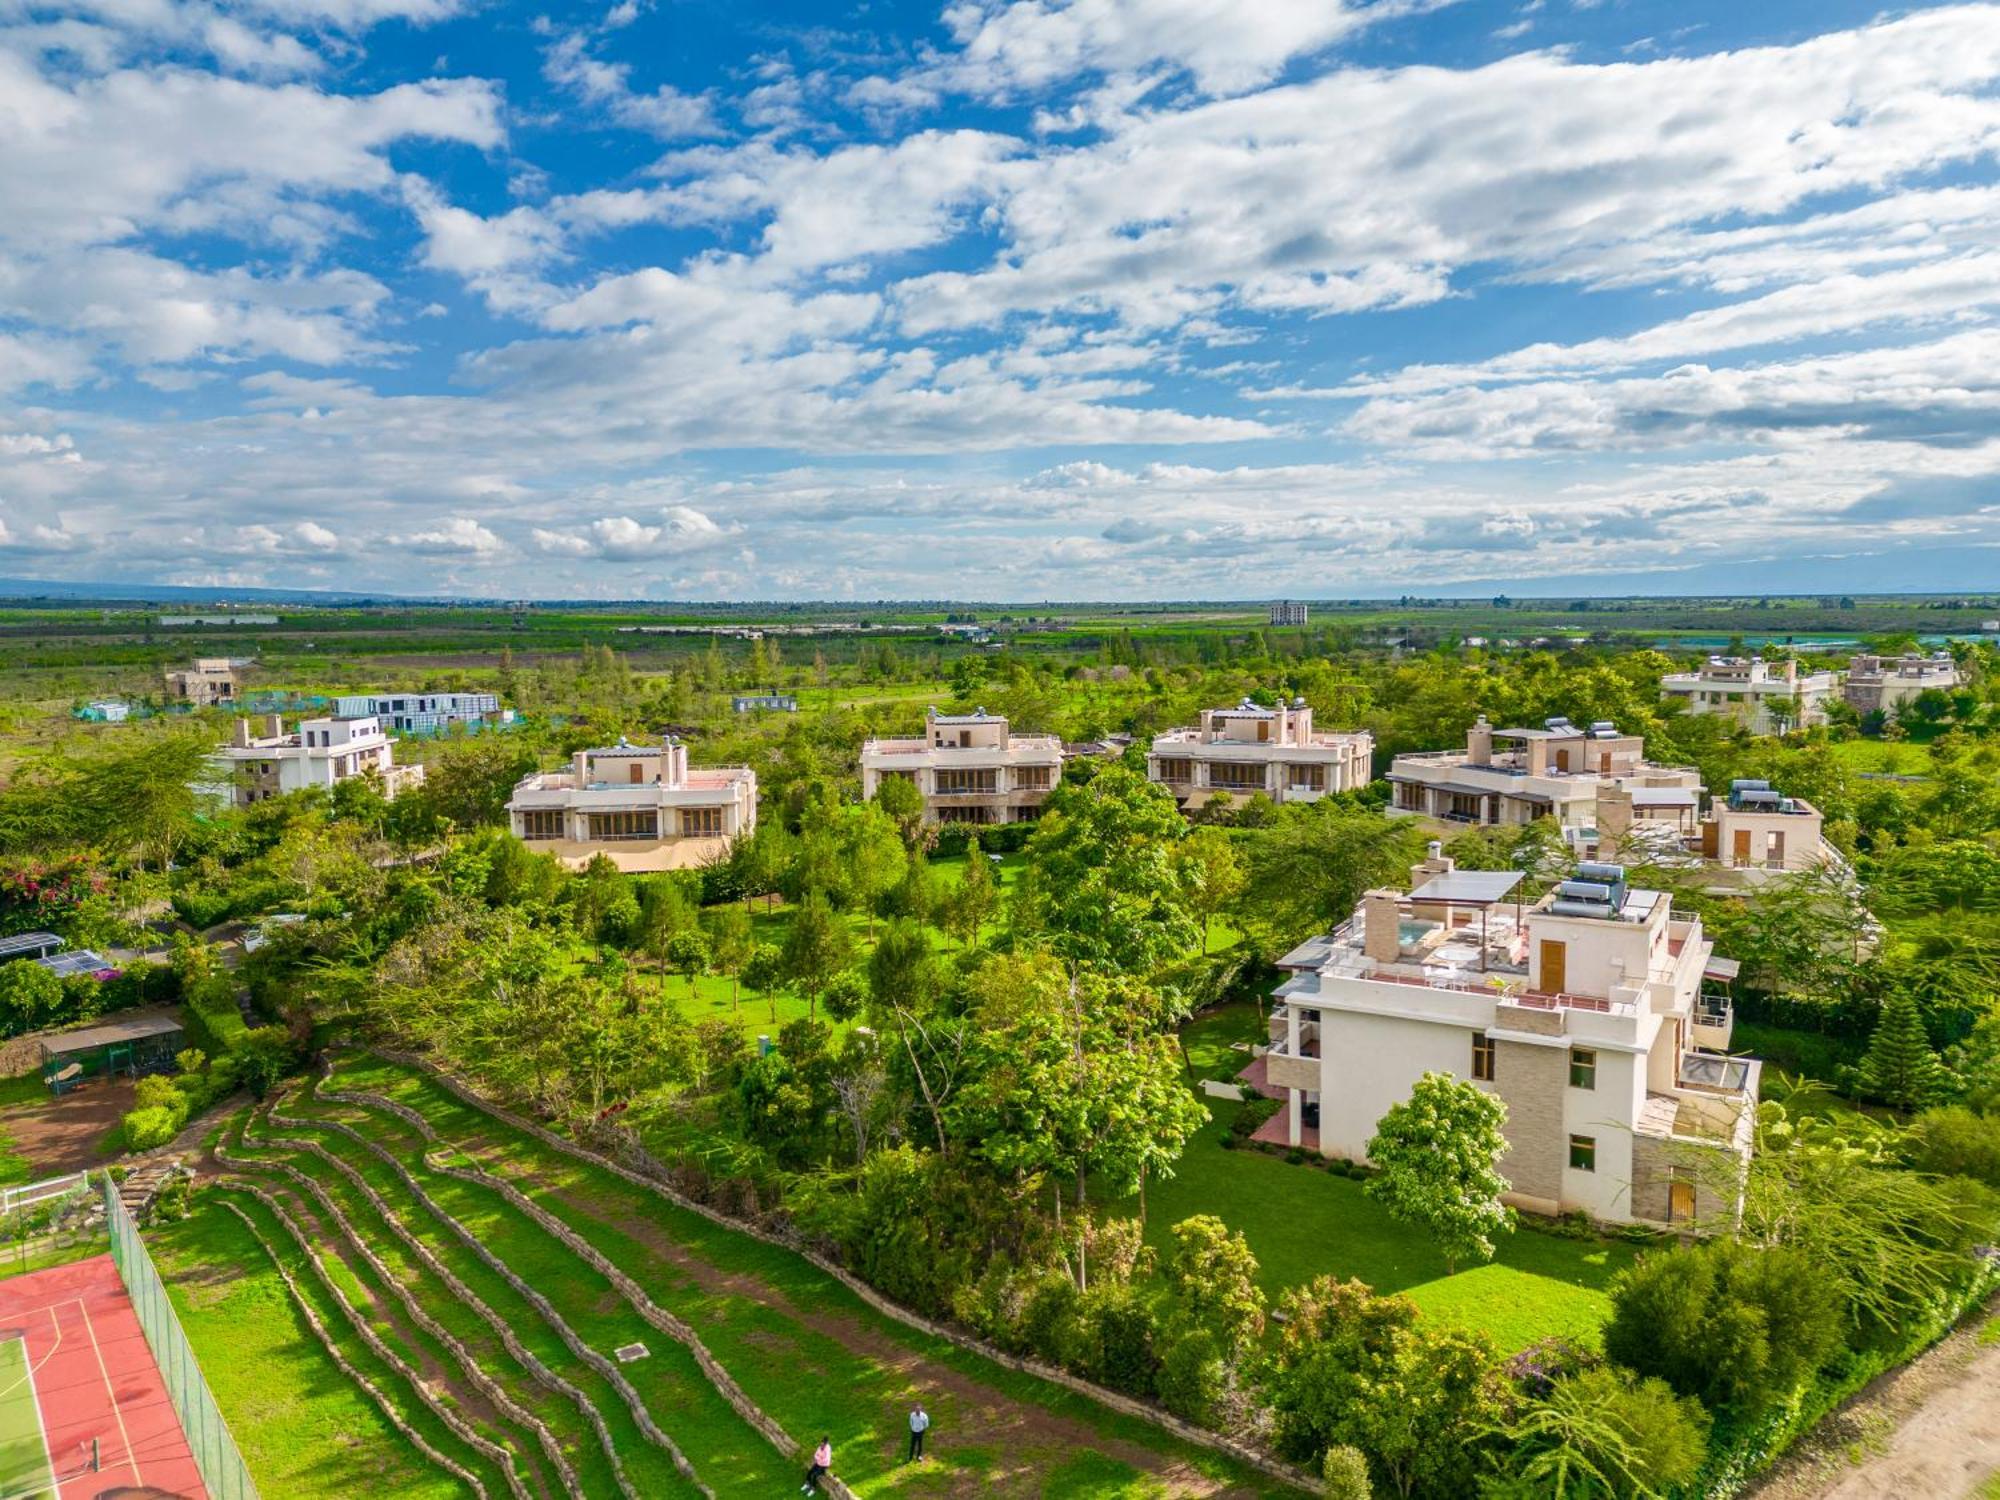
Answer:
(920, 1422)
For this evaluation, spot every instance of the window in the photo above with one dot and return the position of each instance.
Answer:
(701, 822)
(1583, 1067)
(1583, 1153)
(542, 823)
(607, 827)
(954, 782)
(1239, 778)
(1176, 770)
(1482, 1058)
(1032, 778)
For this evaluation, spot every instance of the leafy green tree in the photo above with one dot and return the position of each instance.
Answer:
(816, 948)
(1344, 1474)
(1437, 1157)
(1212, 1275)
(916, 895)
(845, 995)
(765, 974)
(899, 798)
(30, 997)
(1603, 1434)
(873, 852)
(1956, 1142)
(1900, 1068)
(1216, 875)
(687, 953)
(731, 942)
(1108, 890)
(972, 902)
(1727, 1323)
(1310, 866)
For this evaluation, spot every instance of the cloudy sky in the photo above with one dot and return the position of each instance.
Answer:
(1000, 299)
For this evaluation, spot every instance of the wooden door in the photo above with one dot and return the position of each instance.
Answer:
(636, 771)
(1739, 852)
(1680, 1199)
(1555, 962)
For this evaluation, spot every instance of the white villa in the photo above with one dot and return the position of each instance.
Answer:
(1248, 749)
(1884, 684)
(1586, 1013)
(640, 805)
(1514, 776)
(1765, 697)
(969, 768)
(321, 752)
(426, 713)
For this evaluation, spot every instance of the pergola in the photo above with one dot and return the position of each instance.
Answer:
(1481, 888)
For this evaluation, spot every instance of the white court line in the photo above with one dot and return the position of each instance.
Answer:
(117, 1411)
(28, 1366)
(41, 1427)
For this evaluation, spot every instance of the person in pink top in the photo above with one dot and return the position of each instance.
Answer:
(822, 1464)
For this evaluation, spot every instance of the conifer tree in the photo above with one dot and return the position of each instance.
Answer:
(1900, 1068)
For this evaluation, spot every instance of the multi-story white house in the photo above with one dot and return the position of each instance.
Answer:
(1754, 835)
(1765, 697)
(969, 768)
(1514, 776)
(1290, 612)
(425, 713)
(641, 805)
(1248, 749)
(210, 681)
(319, 753)
(1585, 1013)
(1884, 684)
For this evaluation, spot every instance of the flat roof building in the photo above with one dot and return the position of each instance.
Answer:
(1290, 612)
(424, 713)
(642, 806)
(969, 768)
(321, 752)
(1248, 749)
(1883, 684)
(1513, 776)
(1765, 697)
(1594, 1014)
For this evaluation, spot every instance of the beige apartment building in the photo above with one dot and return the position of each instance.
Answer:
(969, 768)
(642, 806)
(1753, 835)
(1881, 684)
(1594, 1014)
(1513, 776)
(212, 680)
(1248, 749)
(1765, 697)
(319, 753)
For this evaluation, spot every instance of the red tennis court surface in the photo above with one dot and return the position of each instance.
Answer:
(94, 1378)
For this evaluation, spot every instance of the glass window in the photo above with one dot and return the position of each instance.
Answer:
(1582, 1068)
(1583, 1153)
(1482, 1058)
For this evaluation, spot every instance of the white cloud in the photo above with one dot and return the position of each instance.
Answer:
(681, 529)
(665, 112)
(460, 536)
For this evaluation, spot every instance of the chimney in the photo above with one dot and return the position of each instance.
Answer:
(1614, 817)
(1538, 756)
(1479, 743)
(274, 726)
(1381, 932)
(1791, 669)
(241, 739)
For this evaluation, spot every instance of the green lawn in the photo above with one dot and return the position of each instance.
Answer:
(1303, 1222)
(304, 1430)
(1896, 757)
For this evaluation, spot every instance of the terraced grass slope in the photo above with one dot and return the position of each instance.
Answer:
(472, 1283)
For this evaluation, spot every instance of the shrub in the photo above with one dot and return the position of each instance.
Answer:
(150, 1127)
(1118, 1330)
(1956, 1142)
(1344, 1473)
(1605, 1433)
(1191, 1377)
(1732, 1325)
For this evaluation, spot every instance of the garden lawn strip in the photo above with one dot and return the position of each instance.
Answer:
(486, 1364)
(723, 1449)
(803, 1345)
(577, 1436)
(388, 1383)
(305, 1430)
(419, 1360)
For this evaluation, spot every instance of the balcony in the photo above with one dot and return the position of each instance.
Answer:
(1713, 1022)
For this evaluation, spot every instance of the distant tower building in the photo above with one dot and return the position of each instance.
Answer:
(1289, 612)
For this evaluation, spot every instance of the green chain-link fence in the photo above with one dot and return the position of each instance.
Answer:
(215, 1452)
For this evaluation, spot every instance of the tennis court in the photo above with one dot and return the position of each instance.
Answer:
(84, 1411)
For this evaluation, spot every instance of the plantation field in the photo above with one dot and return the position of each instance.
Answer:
(444, 1272)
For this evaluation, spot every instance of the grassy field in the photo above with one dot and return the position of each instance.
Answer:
(1890, 757)
(304, 1430)
(805, 1349)
(1304, 1222)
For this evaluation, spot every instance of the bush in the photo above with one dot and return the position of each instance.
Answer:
(150, 1127)
(1956, 1142)
(1191, 1376)
(1253, 1113)
(1345, 1474)
(1736, 1327)
(1622, 1438)
(1118, 1330)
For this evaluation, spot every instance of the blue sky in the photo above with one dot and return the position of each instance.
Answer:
(1002, 299)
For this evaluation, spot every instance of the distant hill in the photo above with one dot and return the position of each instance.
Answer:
(17, 590)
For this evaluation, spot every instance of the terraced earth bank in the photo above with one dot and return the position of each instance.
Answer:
(465, 1290)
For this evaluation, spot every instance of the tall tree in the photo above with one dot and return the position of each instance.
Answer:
(1900, 1068)
(1216, 874)
(969, 905)
(816, 948)
(731, 941)
(1437, 1156)
(1309, 867)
